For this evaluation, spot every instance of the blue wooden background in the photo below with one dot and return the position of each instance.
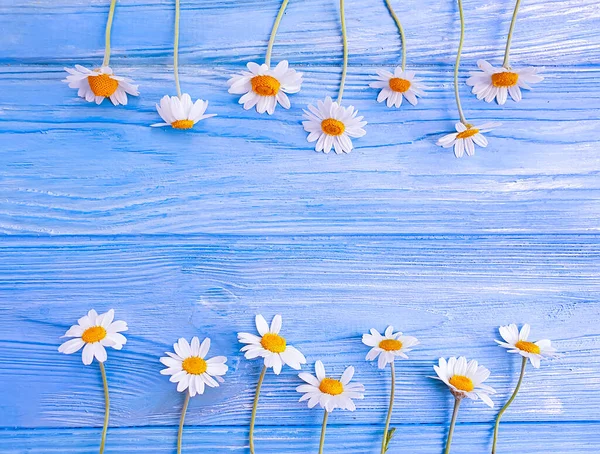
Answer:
(193, 233)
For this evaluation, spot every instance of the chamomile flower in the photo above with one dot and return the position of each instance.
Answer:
(332, 126)
(465, 379)
(497, 83)
(271, 346)
(388, 346)
(516, 342)
(394, 87)
(264, 87)
(94, 332)
(189, 368)
(94, 85)
(181, 113)
(466, 137)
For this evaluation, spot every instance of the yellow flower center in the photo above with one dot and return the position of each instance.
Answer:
(399, 85)
(194, 365)
(331, 386)
(467, 133)
(528, 347)
(103, 85)
(463, 383)
(273, 342)
(333, 127)
(265, 85)
(505, 79)
(183, 124)
(390, 345)
(93, 334)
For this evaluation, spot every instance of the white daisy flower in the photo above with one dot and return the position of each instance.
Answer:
(388, 346)
(465, 379)
(271, 346)
(264, 87)
(516, 342)
(181, 113)
(395, 87)
(330, 393)
(189, 368)
(500, 82)
(93, 332)
(97, 84)
(465, 138)
(332, 125)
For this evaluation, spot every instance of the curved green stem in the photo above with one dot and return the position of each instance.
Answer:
(384, 443)
(274, 32)
(182, 420)
(176, 48)
(510, 401)
(457, 401)
(106, 407)
(457, 64)
(323, 429)
(506, 63)
(255, 406)
(111, 15)
(401, 30)
(345, 42)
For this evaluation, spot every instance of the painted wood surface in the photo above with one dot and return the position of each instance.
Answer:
(193, 234)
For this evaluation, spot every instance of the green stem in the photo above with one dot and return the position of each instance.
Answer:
(176, 48)
(274, 32)
(457, 401)
(389, 414)
(506, 63)
(457, 64)
(510, 401)
(401, 30)
(345, 42)
(323, 429)
(255, 406)
(182, 420)
(106, 407)
(111, 15)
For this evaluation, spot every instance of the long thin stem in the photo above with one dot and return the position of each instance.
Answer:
(182, 420)
(506, 63)
(384, 443)
(255, 406)
(457, 64)
(457, 401)
(510, 401)
(106, 407)
(345, 42)
(401, 30)
(323, 429)
(176, 48)
(274, 31)
(111, 15)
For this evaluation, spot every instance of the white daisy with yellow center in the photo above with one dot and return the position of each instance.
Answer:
(465, 379)
(497, 83)
(94, 332)
(516, 342)
(332, 126)
(264, 87)
(388, 346)
(330, 393)
(190, 369)
(271, 346)
(394, 87)
(94, 85)
(466, 137)
(181, 113)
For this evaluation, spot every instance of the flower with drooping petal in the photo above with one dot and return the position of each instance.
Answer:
(465, 138)
(388, 346)
(332, 125)
(516, 342)
(497, 83)
(94, 332)
(271, 346)
(264, 87)
(465, 379)
(394, 87)
(98, 84)
(328, 392)
(189, 368)
(181, 113)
